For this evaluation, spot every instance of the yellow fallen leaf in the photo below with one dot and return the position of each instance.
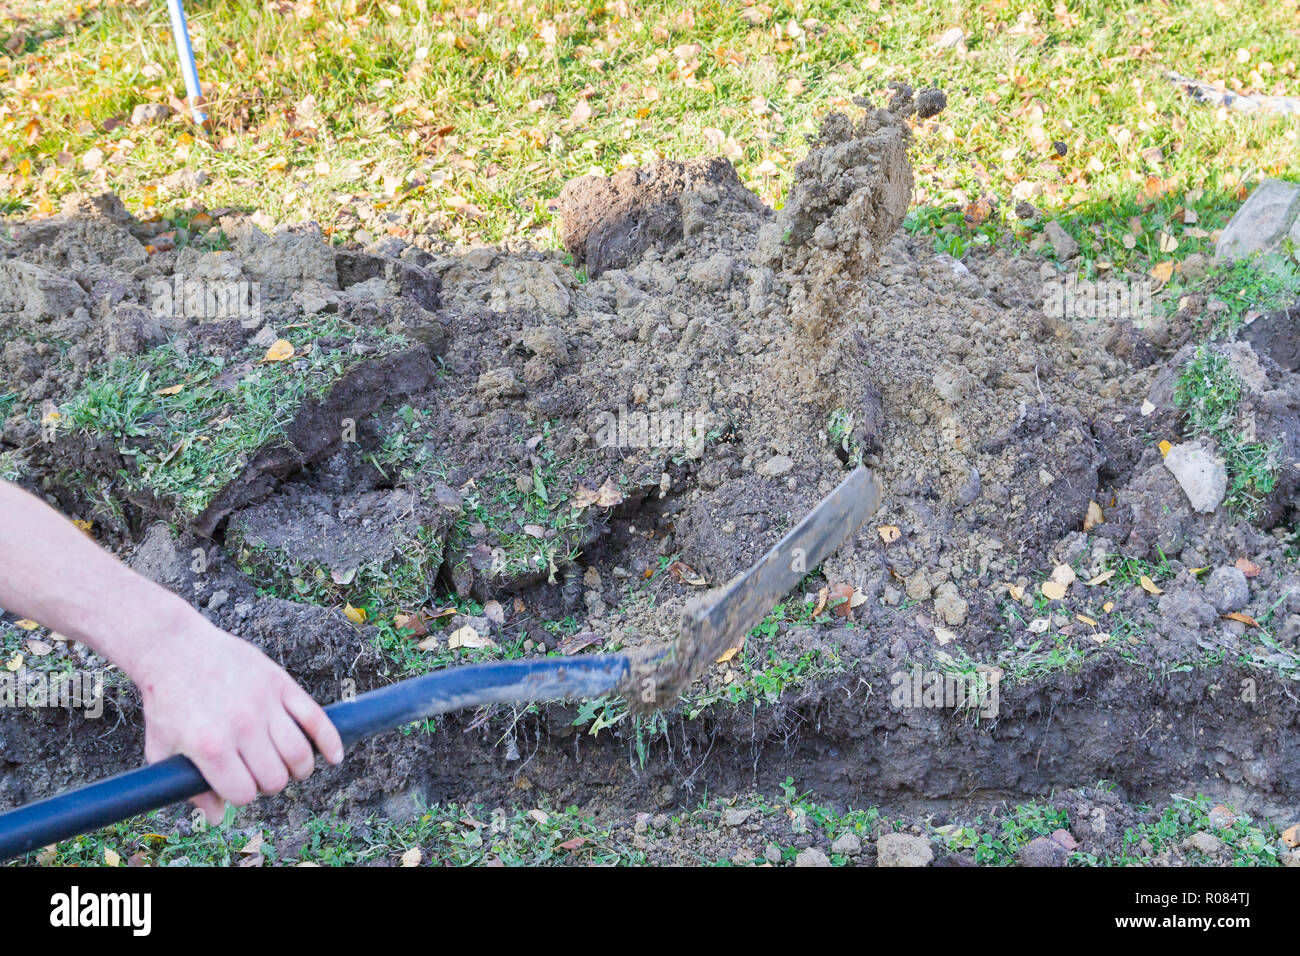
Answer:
(1291, 835)
(1108, 607)
(822, 597)
(1242, 619)
(357, 615)
(1101, 578)
(1162, 272)
(468, 637)
(1094, 516)
(14, 663)
(1195, 571)
(171, 390)
(1100, 637)
(1149, 586)
(254, 845)
(412, 857)
(1015, 591)
(1054, 590)
(728, 655)
(889, 533)
(279, 351)
(1165, 448)
(27, 625)
(1083, 618)
(83, 525)
(111, 857)
(38, 648)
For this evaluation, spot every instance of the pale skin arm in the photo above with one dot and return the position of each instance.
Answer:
(207, 694)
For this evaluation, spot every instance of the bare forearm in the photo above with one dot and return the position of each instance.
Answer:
(54, 574)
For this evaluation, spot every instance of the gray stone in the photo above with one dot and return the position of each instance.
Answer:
(902, 849)
(812, 857)
(185, 180)
(776, 465)
(500, 383)
(772, 853)
(1227, 589)
(548, 343)
(146, 113)
(218, 600)
(847, 844)
(1063, 243)
(1043, 851)
(950, 38)
(1202, 476)
(158, 557)
(736, 816)
(1262, 221)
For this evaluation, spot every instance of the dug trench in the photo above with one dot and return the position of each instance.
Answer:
(411, 456)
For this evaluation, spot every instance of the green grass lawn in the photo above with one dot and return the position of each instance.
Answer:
(467, 120)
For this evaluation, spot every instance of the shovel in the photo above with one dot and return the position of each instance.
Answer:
(711, 624)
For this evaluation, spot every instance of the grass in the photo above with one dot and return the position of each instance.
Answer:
(190, 421)
(1209, 393)
(467, 120)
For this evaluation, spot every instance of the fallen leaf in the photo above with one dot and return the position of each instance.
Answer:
(728, 654)
(576, 642)
(411, 622)
(685, 574)
(1242, 619)
(1100, 579)
(1094, 516)
(541, 816)
(111, 857)
(279, 351)
(1165, 448)
(1100, 637)
(943, 635)
(343, 577)
(606, 496)
(14, 663)
(1054, 590)
(1149, 586)
(1162, 271)
(254, 845)
(357, 615)
(822, 596)
(889, 533)
(1084, 619)
(1247, 567)
(38, 648)
(1038, 625)
(467, 637)
(84, 526)
(412, 857)
(841, 600)
(430, 643)
(1108, 607)
(27, 625)
(573, 844)
(171, 390)
(859, 598)
(1016, 591)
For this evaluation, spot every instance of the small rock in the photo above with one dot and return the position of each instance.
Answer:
(772, 853)
(93, 159)
(1221, 817)
(1227, 589)
(736, 816)
(776, 465)
(950, 38)
(1203, 477)
(1063, 243)
(1206, 843)
(950, 605)
(500, 383)
(1043, 851)
(218, 600)
(1066, 839)
(902, 849)
(185, 180)
(847, 844)
(812, 857)
(145, 113)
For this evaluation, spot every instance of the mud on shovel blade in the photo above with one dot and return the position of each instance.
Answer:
(714, 622)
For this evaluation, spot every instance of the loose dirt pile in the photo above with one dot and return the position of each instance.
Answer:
(563, 451)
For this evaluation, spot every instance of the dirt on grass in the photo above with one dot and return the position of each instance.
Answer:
(560, 451)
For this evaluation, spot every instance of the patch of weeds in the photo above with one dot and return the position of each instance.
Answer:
(998, 845)
(191, 422)
(839, 431)
(1254, 284)
(1208, 392)
(1252, 844)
